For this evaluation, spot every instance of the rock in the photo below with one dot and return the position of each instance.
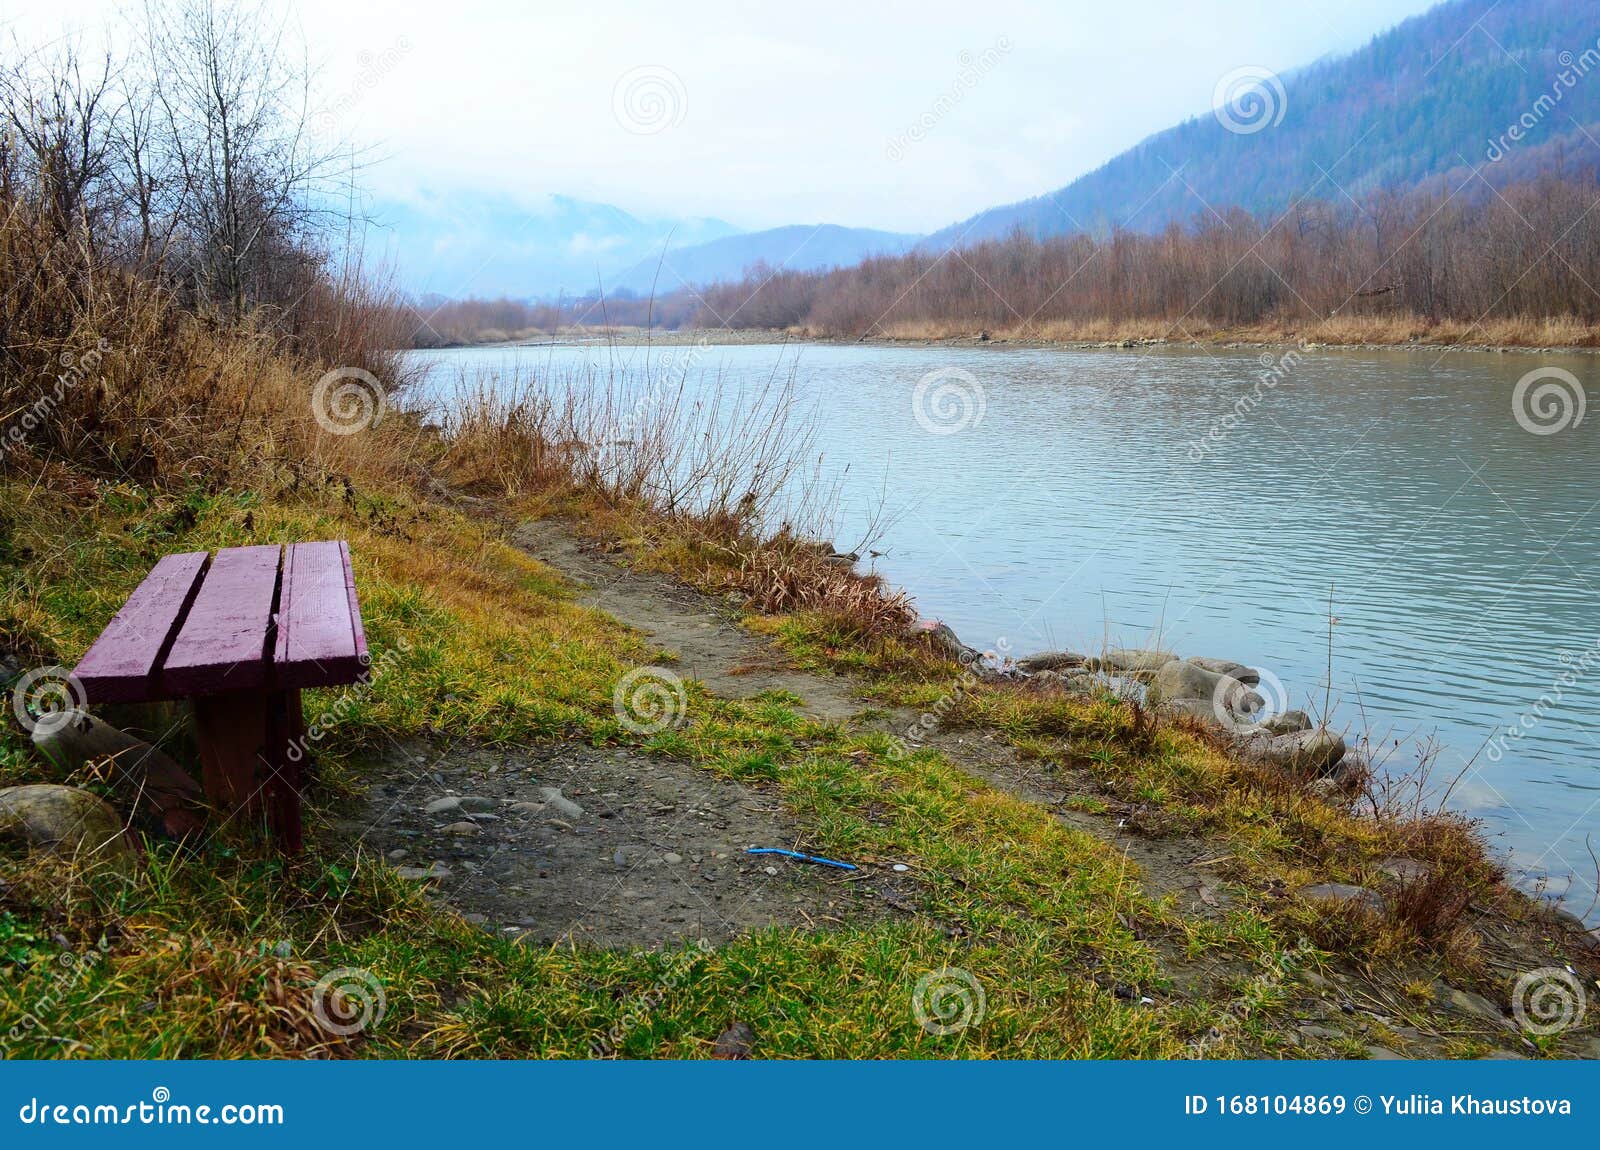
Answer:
(148, 782)
(1052, 661)
(553, 798)
(1287, 723)
(64, 820)
(671, 858)
(1308, 752)
(1136, 662)
(1249, 676)
(1384, 1054)
(465, 827)
(1403, 871)
(1200, 709)
(1341, 894)
(1502, 1056)
(398, 853)
(477, 804)
(525, 808)
(1476, 1004)
(736, 1042)
(447, 805)
(1230, 698)
(432, 871)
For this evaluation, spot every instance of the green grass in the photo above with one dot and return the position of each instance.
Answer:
(214, 951)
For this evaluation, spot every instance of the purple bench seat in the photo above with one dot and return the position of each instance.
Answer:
(240, 633)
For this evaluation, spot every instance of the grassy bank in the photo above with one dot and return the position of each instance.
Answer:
(216, 948)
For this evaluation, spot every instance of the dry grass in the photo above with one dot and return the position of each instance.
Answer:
(1383, 330)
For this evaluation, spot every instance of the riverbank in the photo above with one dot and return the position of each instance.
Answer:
(1350, 334)
(1048, 873)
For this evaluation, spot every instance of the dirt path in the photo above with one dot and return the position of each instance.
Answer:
(711, 646)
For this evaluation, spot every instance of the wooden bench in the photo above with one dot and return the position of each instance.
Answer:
(240, 634)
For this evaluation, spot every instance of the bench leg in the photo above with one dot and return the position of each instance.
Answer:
(286, 743)
(232, 732)
(245, 757)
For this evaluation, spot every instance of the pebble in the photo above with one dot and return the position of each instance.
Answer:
(773, 871)
(443, 806)
(901, 867)
(464, 827)
(554, 798)
(671, 858)
(435, 870)
(398, 853)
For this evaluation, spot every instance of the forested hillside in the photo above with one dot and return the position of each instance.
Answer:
(1470, 89)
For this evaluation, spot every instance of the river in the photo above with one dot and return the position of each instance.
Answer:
(1213, 500)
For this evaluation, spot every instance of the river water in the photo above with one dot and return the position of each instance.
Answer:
(1212, 500)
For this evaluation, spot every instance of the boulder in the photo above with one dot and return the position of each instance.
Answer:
(1133, 661)
(949, 644)
(1201, 709)
(1403, 871)
(1287, 723)
(1343, 895)
(65, 820)
(1052, 661)
(1249, 676)
(1232, 700)
(148, 782)
(1308, 752)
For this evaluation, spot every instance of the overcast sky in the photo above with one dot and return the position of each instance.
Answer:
(904, 116)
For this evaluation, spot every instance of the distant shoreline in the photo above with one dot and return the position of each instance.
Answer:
(1237, 340)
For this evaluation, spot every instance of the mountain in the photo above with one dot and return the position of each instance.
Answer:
(469, 244)
(799, 247)
(1499, 89)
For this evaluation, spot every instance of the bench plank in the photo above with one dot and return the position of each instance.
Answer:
(222, 645)
(123, 664)
(321, 642)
